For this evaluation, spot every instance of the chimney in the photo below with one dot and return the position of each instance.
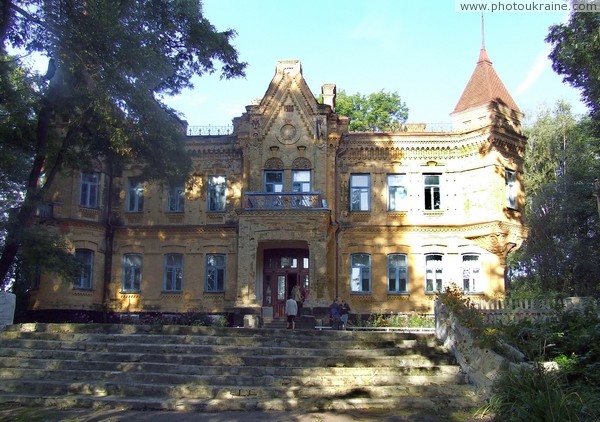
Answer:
(328, 92)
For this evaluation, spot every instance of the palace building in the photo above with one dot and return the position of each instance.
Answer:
(291, 197)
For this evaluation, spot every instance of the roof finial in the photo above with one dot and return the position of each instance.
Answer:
(482, 32)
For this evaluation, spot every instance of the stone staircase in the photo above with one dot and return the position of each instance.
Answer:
(182, 368)
(274, 323)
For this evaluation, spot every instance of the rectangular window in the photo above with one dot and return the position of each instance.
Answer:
(135, 196)
(434, 272)
(173, 272)
(132, 272)
(432, 191)
(511, 188)
(471, 274)
(360, 273)
(176, 199)
(396, 192)
(274, 181)
(217, 193)
(360, 192)
(83, 277)
(301, 183)
(397, 273)
(215, 273)
(88, 197)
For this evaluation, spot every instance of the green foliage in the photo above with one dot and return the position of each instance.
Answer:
(572, 392)
(563, 244)
(575, 52)
(533, 394)
(188, 318)
(412, 320)
(462, 307)
(109, 65)
(379, 111)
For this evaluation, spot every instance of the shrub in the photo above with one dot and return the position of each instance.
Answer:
(412, 320)
(533, 394)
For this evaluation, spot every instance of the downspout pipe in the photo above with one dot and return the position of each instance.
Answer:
(109, 236)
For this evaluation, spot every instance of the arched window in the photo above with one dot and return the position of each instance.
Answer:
(434, 273)
(471, 270)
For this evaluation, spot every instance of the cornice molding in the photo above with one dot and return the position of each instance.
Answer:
(469, 230)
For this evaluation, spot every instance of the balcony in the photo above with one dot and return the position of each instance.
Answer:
(283, 201)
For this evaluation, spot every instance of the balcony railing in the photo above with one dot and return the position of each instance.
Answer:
(209, 130)
(283, 201)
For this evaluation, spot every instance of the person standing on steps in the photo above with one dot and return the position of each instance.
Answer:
(334, 313)
(297, 295)
(291, 310)
(344, 313)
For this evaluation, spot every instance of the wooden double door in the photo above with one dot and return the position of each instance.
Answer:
(284, 269)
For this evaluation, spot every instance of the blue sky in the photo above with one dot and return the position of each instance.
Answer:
(424, 51)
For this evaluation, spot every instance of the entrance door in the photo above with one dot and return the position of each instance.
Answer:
(283, 269)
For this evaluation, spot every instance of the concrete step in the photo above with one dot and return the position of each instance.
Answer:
(274, 323)
(15, 367)
(440, 405)
(255, 376)
(220, 359)
(191, 390)
(291, 347)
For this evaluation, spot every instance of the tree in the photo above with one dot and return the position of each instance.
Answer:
(110, 63)
(380, 111)
(575, 52)
(563, 245)
(16, 112)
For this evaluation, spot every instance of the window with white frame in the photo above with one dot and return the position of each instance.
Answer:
(510, 181)
(434, 273)
(397, 273)
(300, 180)
(83, 277)
(132, 272)
(217, 197)
(301, 183)
(471, 270)
(360, 192)
(135, 196)
(396, 190)
(88, 196)
(360, 273)
(215, 273)
(176, 198)
(173, 273)
(432, 191)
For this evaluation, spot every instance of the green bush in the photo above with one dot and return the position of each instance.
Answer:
(571, 392)
(533, 394)
(412, 320)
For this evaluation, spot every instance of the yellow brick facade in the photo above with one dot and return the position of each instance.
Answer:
(343, 214)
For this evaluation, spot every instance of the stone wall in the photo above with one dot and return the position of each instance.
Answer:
(481, 365)
(7, 309)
